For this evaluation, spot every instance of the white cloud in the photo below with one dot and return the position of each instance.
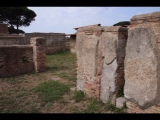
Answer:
(64, 19)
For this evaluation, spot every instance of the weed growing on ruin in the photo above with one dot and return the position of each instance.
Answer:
(51, 90)
(78, 95)
(120, 92)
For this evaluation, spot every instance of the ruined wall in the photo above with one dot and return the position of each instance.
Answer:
(100, 55)
(73, 43)
(39, 53)
(13, 60)
(87, 50)
(3, 28)
(112, 47)
(114, 58)
(55, 42)
(20, 59)
(12, 40)
(142, 61)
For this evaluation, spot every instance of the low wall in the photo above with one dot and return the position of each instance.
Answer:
(55, 42)
(20, 59)
(13, 60)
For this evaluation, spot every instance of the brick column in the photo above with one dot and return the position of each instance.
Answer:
(39, 53)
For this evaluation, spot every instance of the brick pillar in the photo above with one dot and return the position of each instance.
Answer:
(39, 53)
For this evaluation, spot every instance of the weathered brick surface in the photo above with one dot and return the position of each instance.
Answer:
(87, 50)
(113, 45)
(100, 58)
(13, 60)
(3, 28)
(39, 53)
(142, 61)
(55, 42)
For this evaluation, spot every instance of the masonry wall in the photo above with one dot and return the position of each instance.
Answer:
(87, 50)
(112, 47)
(3, 28)
(21, 59)
(13, 60)
(12, 40)
(100, 55)
(142, 61)
(55, 42)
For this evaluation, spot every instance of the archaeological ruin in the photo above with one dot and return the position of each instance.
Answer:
(113, 59)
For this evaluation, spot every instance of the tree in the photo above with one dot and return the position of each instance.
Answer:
(17, 16)
(122, 23)
(12, 30)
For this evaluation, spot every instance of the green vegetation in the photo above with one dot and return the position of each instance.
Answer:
(63, 65)
(120, 92)
(51, 90)
(93, 106)
(122, 23)
(40, 93)
(78, 95)
(17, 16)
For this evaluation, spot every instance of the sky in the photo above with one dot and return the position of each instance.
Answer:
(65, 19)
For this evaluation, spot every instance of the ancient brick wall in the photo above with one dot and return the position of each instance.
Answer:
(12, 40)
(13, 60)
(142, 61)
(87, 50)
(39, 53)
(112, 45)
(100, 55)
(55, 42)
(3, 28)
(110, 58)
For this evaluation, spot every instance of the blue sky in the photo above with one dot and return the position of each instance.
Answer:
(64, 19)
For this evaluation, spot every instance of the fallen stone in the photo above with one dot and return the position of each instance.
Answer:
(120, 102)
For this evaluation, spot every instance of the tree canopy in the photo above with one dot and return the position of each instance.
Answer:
(122, 23)
(17, 16)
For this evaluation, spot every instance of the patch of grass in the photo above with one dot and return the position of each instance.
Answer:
(62, 64)
(51, 90)
(93, 106)
(78, 95)
(22, 93)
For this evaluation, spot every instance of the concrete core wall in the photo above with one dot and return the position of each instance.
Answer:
(142, 61)
(100, 55)
(127, 58)
(113, 45)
